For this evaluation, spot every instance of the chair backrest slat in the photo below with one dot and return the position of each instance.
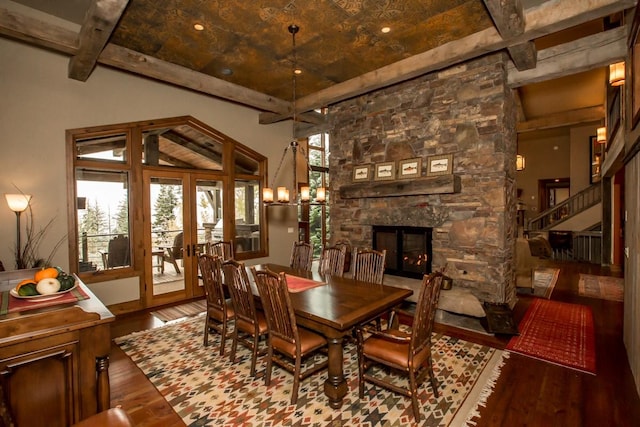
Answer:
(368, 266)
(276, 304)
(301, 256)
(211, 270)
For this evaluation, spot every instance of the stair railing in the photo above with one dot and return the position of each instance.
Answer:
(566, 209)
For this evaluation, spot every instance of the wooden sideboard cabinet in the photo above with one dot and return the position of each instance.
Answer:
(54, 361)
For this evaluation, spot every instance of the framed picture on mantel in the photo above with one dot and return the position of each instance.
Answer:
(410, 168)
(385, 171)
(440, 165)
(361, 173)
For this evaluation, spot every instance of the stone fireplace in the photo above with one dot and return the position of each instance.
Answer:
(466, 111)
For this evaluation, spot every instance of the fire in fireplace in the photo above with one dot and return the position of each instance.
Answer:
(408, 249)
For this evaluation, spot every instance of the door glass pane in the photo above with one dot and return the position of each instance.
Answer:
(209, 211)
(247, 207)
(167, 237)
(103, 220)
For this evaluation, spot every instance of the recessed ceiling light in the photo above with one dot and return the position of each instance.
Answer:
(385, 29)
(198, 27)
(297, 71)
(226, 71)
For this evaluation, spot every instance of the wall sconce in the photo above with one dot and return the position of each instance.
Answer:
(601, 135)
(18, 203)
(616, 74)
(520, 162)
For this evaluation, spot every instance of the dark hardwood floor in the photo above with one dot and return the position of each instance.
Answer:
(528, 393)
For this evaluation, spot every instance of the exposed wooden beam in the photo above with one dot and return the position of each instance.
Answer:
(507, 16)
(550, 16)
(524, 55)
(590, 52)
(99, 22)
(40, 33)
(126, 59)
(565, 118)
(36, 32)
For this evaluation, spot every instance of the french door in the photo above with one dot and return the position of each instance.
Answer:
(183, 211)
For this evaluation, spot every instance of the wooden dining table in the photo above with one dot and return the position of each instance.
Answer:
(333, 310)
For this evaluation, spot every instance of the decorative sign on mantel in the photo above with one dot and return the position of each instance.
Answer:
(440, 184)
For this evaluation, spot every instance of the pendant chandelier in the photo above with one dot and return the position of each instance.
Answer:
(283, 193)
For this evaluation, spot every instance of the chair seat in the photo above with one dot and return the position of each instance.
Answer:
(247, 327)
(113, 417)
(216, 313)
(309, 341)
(393, 352)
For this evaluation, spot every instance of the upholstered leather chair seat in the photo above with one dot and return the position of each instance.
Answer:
(392, 352)
(309, 342)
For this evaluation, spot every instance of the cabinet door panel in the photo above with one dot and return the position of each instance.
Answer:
(41, 386)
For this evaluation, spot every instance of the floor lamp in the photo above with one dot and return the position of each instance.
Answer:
(18, 203)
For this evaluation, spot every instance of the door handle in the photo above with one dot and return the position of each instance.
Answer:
(188, 251)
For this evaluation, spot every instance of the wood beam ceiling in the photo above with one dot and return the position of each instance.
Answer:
(549, 17)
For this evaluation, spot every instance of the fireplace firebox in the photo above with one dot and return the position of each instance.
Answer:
(408, 249)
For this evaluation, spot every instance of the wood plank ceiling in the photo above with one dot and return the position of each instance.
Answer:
(244, 53)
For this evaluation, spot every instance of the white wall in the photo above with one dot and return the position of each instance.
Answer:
(38, 103)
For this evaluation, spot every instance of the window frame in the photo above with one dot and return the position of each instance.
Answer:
(133, 166)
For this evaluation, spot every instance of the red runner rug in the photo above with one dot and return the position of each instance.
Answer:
(559, 333)
(299, 284)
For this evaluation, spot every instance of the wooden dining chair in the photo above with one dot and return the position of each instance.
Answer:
(223, 249)
(332, 261)
(251, 324)
(288, 345)
(219, 310)
(301, 256)
(368, 265)
(407, 352)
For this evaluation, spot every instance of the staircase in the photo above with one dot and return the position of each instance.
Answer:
(582, 245)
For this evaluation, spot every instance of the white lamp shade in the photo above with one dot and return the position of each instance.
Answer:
(304, 194)
(18, 202)
(520, 162)
(321, 194)
(601, 135)
(616, 74)
(267, 195)
(283, 195)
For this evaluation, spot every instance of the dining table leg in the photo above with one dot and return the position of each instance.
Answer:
(335, 387)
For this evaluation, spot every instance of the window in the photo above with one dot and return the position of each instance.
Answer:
(318, 214)
(108, 185)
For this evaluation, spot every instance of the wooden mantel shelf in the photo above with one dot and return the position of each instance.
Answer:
(441, 184)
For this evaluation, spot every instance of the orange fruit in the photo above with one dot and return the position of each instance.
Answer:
(46, 273)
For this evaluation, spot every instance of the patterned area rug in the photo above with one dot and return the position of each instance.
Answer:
(544, 280)
(180, 311)
(559, 333)
(603, 287)
(206, 389)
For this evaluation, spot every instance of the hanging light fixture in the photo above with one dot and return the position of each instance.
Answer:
(520, 163)
(601, 135)
(282, 193)
(616, 74)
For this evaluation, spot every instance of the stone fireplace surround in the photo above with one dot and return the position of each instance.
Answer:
(467, 111)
